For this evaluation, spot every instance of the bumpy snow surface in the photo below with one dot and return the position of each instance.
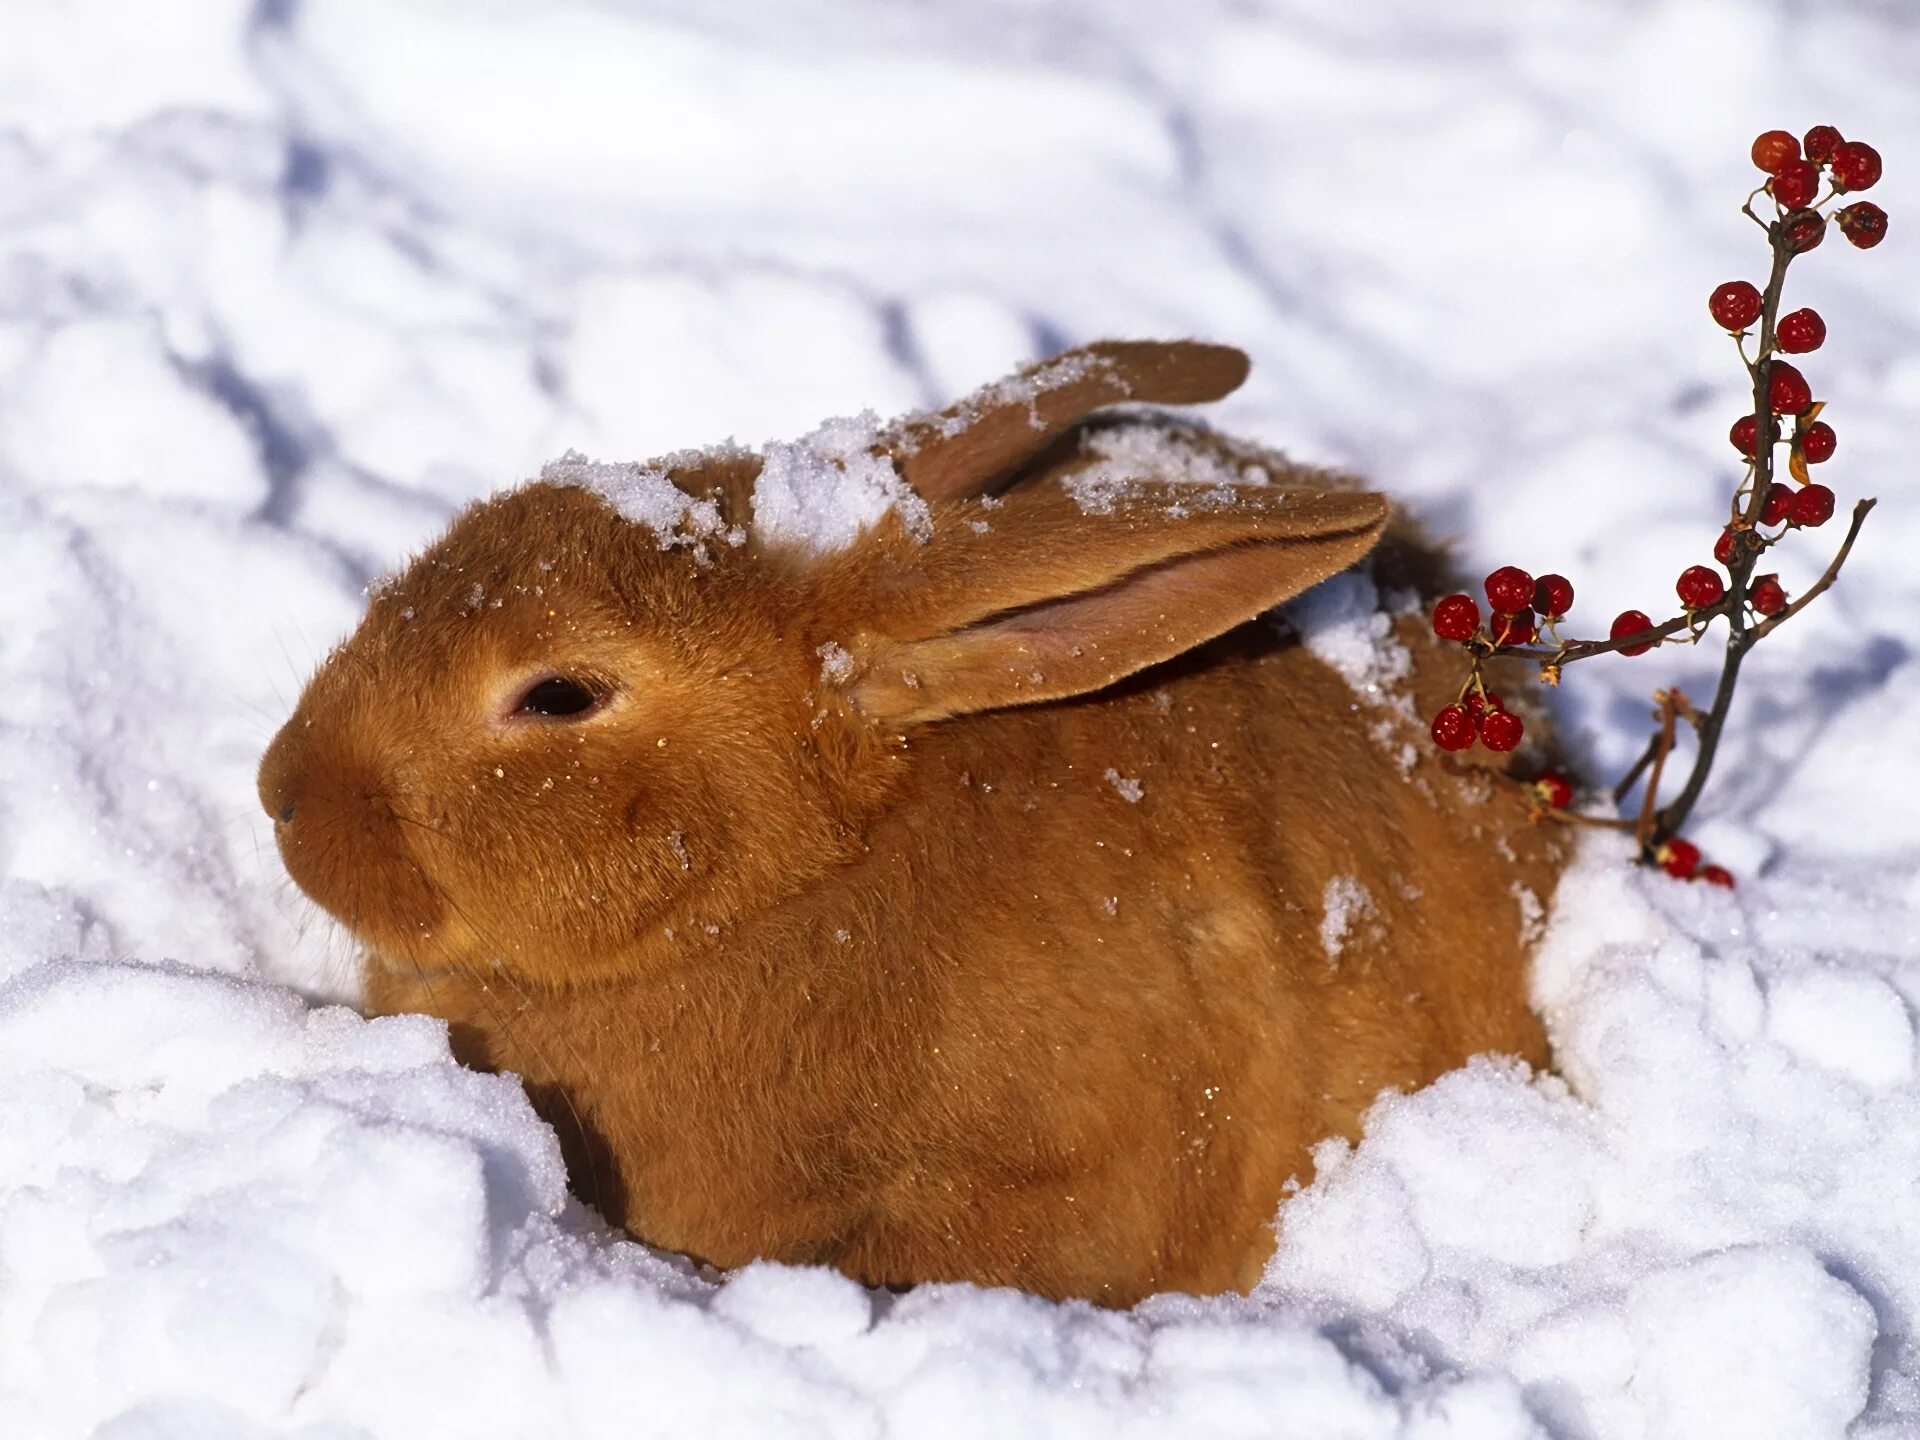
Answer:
(283, 283)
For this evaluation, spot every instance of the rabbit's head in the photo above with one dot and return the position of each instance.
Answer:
(567, 743)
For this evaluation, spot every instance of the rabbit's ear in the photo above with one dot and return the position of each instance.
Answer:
(1035, 599)
(974, 446)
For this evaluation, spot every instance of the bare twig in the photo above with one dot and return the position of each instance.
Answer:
(1645, 830)
(1639, 768)
(1819, 587)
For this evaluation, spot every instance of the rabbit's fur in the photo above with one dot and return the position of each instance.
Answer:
(936, 908)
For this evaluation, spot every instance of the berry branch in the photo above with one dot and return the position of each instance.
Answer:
(1762, 512)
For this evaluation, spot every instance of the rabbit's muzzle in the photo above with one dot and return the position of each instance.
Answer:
(347, 842)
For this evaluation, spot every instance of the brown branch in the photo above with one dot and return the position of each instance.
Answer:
(1644, 830)
(1668, 821)
(1585, 649)
(1639, 766)
(1819, 587)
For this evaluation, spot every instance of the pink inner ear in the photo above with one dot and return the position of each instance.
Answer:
(1154, 612)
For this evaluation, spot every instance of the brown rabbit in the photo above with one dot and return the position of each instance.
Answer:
(983, 899)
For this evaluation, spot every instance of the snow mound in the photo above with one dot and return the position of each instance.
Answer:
(222, 1212)
(220, 1208)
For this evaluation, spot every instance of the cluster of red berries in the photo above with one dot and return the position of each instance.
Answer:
(1478, 715)
(1520, 604)
(1793, 179)
(1681, 859)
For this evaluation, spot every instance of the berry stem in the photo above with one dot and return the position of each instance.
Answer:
(1646, 830)
(1637, 769)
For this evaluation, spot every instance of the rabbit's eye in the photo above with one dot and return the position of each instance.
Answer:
(556, 698)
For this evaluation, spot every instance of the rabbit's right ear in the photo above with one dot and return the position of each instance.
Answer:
(1037, 599)
(975, 445)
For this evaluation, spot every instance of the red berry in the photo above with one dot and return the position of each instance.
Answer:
(1864, 223)
(1821, 141)
(1805, 231)
(1744, 430)
(1800, 332)
(1723, 548)
(1766, 596)
(1631, 622)
(1509, 589)
(1501, 730)
(1717, 875)
(1699, 587)
(1554, 789)
(1734, 305)
(1779, 504)
(1553, 595)
(1456, 617)
(1453, 728)
(1787, 389)
(1515, 629)
(1856, 165)
(1817, 442)
(1679, 858)
(1478, 703)
(1774, 149)
(1813, 506)
(1795, 183)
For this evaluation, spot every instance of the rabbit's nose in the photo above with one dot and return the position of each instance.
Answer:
(285, 816)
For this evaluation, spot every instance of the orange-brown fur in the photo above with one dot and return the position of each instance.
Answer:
(799, 969)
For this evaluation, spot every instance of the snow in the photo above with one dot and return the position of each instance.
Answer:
(1345, 905)
(1056, 373)
(820, 492)
(1343, 623)
(282, 286)
(644, 495)
(836, 663)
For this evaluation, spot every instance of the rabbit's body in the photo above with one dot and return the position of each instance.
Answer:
(1056, 995)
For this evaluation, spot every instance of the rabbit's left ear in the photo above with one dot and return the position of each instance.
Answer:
(1048, 601)
(977, 444)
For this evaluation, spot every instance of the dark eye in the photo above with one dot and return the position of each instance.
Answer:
(556, 698)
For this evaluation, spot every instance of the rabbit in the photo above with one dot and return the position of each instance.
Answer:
(995, 896)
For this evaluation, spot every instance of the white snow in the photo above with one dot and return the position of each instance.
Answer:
(836, 663)
(1056, 373)
(283, 285)
(644, 495)
(1345, 904)
(1342, 622)
(1128, 787)
(820, 492)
